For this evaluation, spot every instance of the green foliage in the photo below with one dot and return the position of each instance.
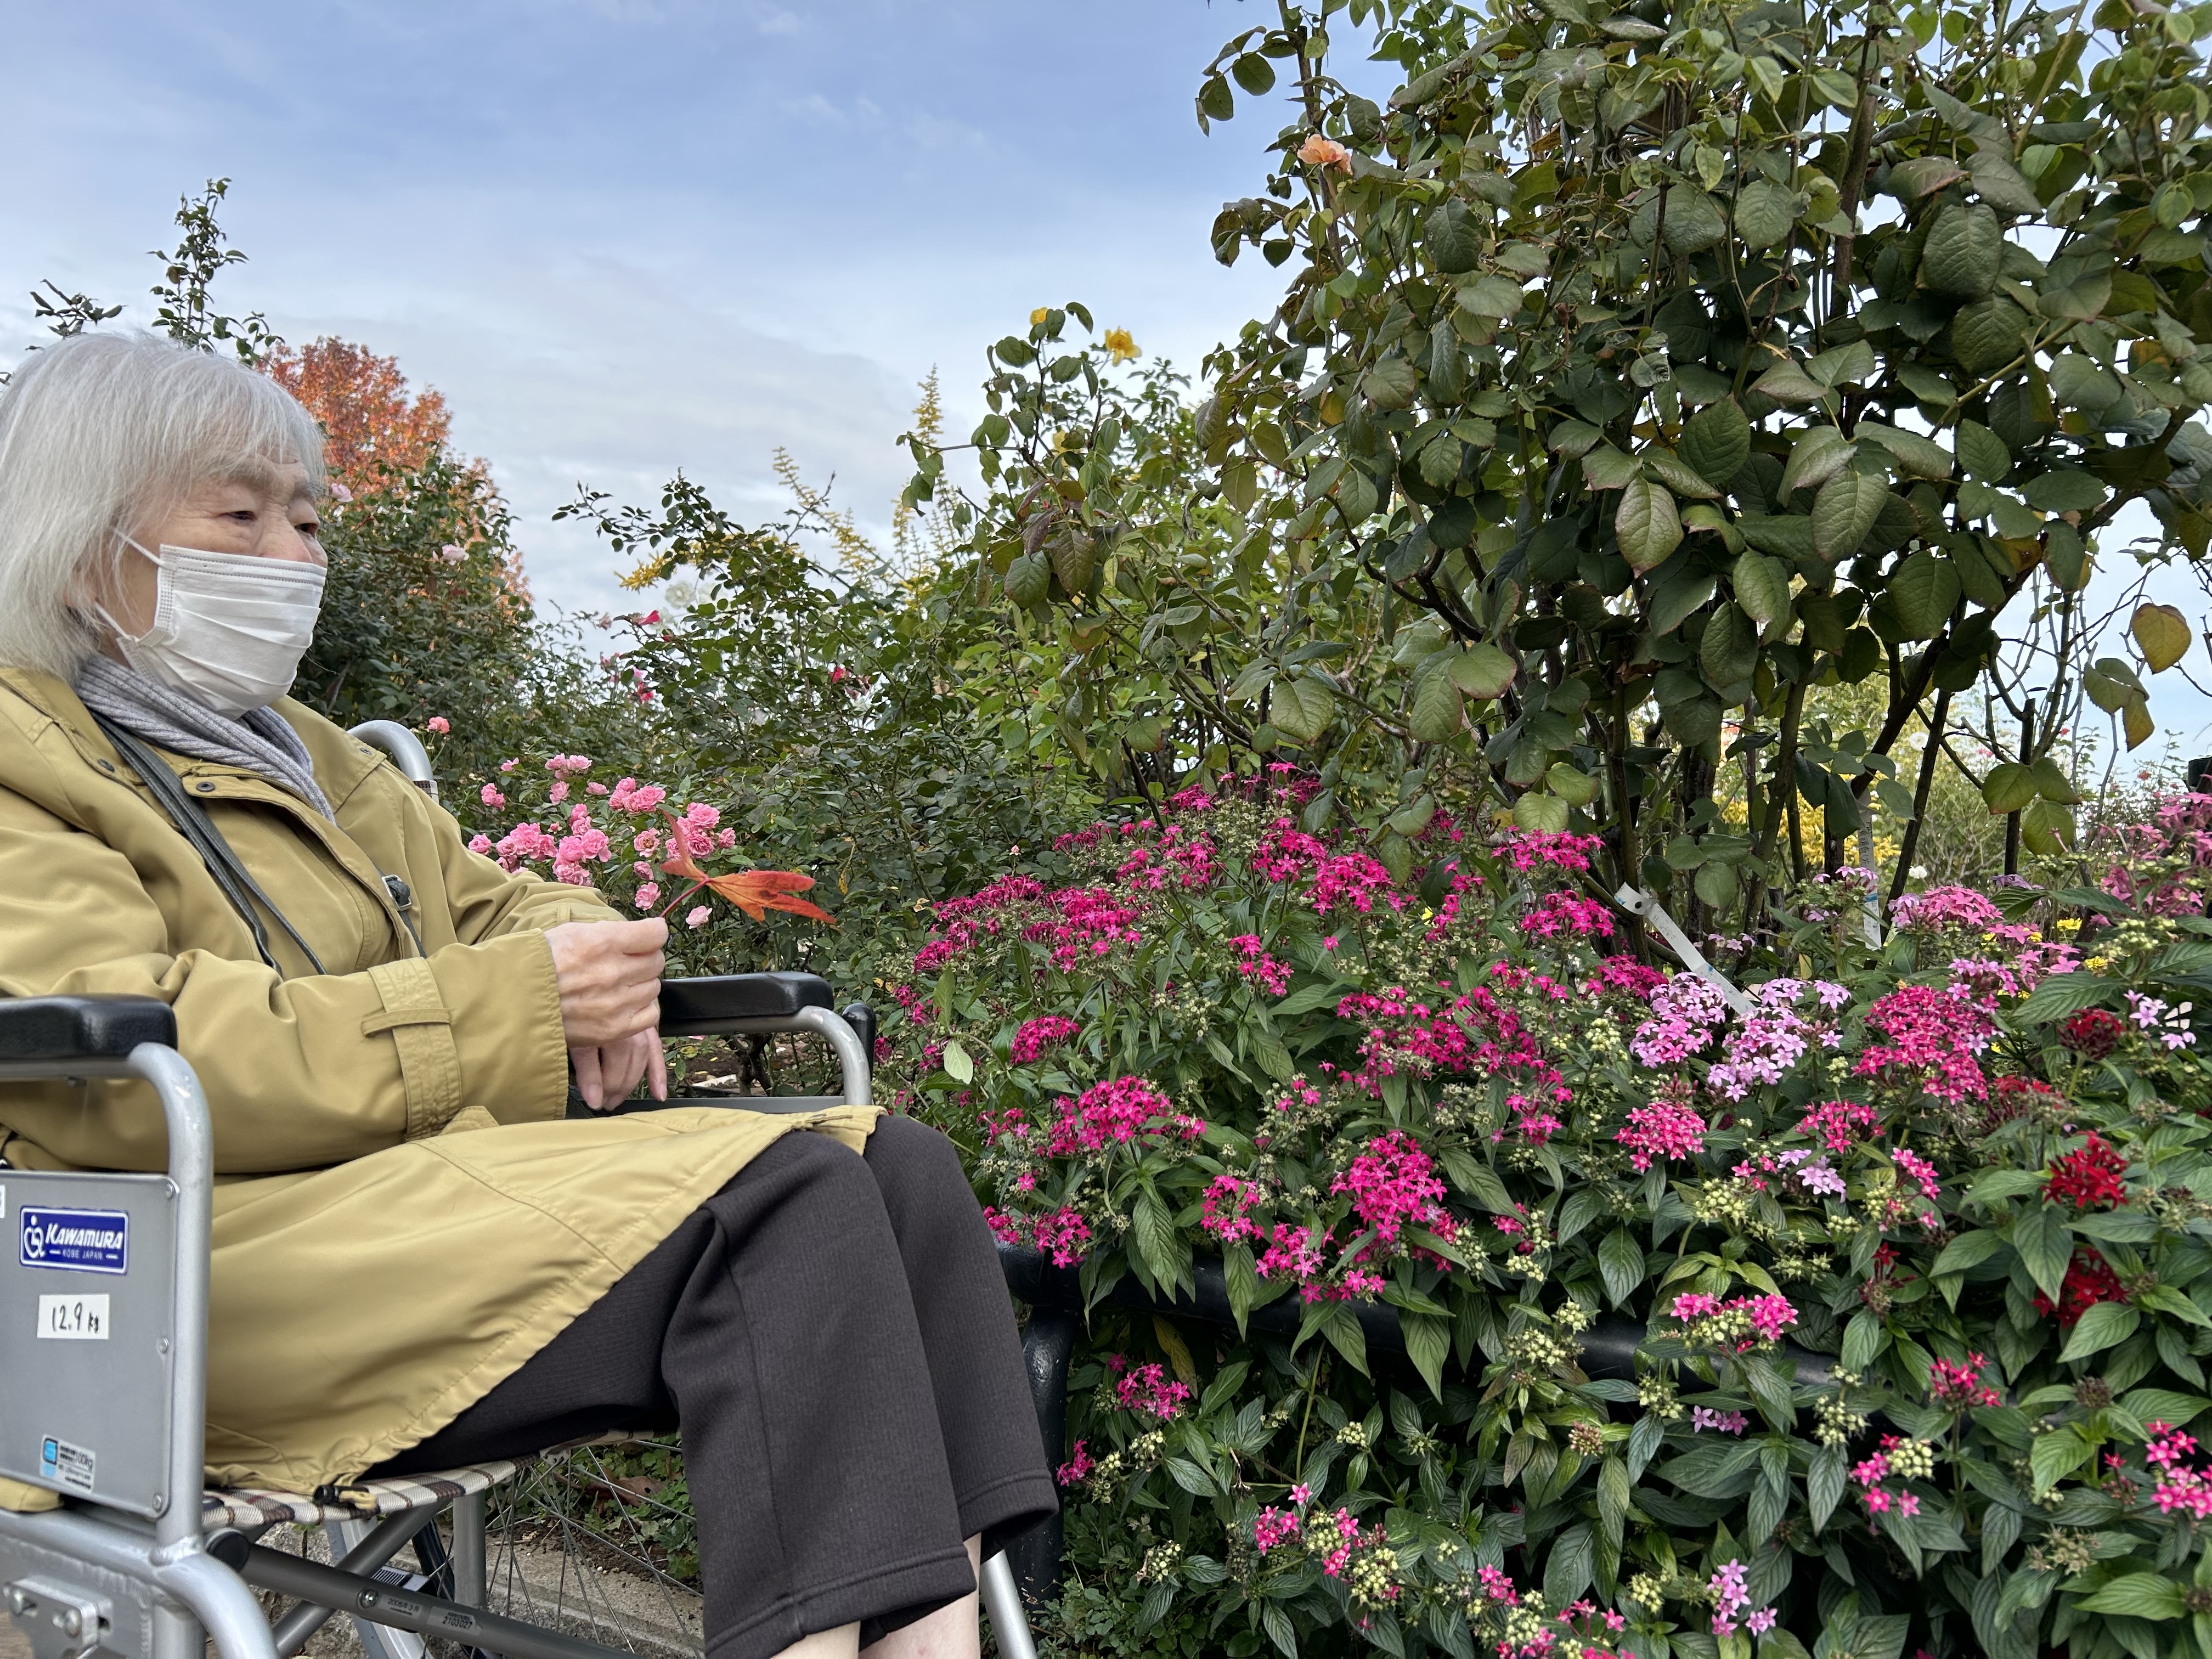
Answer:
(418, 617)
(1594, 305)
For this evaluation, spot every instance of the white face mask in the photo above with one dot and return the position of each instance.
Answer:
(229, 629)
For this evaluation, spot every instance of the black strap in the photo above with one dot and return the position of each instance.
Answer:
(198, 828)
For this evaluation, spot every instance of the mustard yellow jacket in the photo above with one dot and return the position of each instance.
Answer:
(402, 1214)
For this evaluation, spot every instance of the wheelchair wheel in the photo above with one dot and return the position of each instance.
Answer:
(599, 1541)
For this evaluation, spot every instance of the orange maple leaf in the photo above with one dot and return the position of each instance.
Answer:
(755, 892)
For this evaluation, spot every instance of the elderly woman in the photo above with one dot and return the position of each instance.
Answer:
(418, 1261)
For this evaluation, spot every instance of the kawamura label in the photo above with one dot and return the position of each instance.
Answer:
(76, 1241)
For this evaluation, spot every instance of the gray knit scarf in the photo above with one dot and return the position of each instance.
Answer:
(257, 741)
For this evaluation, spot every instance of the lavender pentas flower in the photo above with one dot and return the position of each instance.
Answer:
(1776, 1034)
(1685, 1010)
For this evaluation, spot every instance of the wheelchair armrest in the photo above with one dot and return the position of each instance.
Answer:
(54, 1030)
(701, 1007)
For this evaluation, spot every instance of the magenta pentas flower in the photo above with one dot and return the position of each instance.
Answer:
(1147, 1390)
(1933, 1044)
(1394, 1185)
(1533, 850)
(1038, 1037)
(1703, 1418)
(1671, 1129)
(1839, 1124)
(1741, 1324)
(1116, 1112)
(1255, 964)
(1566, 913)
(1272, 1526)
(1919, 1171)
(1064, 1235)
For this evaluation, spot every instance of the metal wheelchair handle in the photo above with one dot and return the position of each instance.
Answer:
(405, 749)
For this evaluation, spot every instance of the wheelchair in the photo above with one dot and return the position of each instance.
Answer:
(140, 1560)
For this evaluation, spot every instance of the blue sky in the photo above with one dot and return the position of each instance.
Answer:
(626, 236)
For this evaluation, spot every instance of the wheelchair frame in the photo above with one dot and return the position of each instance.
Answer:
(115, 1423)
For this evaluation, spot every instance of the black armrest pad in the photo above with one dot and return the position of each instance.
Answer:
(38, 1030)
(688, 1004)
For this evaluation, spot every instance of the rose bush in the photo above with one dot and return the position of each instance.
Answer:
(1918, 1231)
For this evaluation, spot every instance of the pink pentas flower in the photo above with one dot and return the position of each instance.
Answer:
(1273, 976)
(1077, 1468)
(1839, 1124)
(1064, 1235)
(1226, 1209)
(1932, 1043)
(1939, 909)
(1684, 1013)
(1040, 1037)
(1272, 1526)
(1665, 1128)
(1919, 1169)
(1394, 1185)
(1147, 1390)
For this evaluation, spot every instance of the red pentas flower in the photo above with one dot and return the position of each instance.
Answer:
(2093, 1033)
(2089, 1279)
(2089, 1176)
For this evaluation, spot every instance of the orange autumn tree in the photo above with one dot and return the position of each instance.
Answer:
(375, 428)
(382, 437)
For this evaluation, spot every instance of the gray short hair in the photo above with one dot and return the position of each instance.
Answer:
(102, 435)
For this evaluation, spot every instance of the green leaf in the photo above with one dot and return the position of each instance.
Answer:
(2009, 787)
(1614, 1489)
(1968, 1250)
(1677, 474)
(1923, 176)
(1917, 457)
(1428, 1341)
(1728, 651)
(1484, 671)
(1762, 587)
(2052, 783)
(1391, 383)
(1434, 712)
(1540, 815)
(2100, 1327)
(2161, 633)
(1764, 213)
(958, 1064)
(1817, 457)
(1964, 249)
(1253, 73)
(1998, 182)
(1341, 1328)
(1647, 525)
(1567, 1572)
(2138, 1595)
(1693, 220)
(2045, 1246)
(1620, 1264)
(1986, 335)
(1717, 442)
(1824, 1484)
(2062, 994)
(1454, 239)
(1215, 101)
(1924, 591)
(1843, 511)
(1862, 1339)
(1301, 709)
(2080, 381)
(1029, 579)
(2067, 490)
(1785, 535)
(1981, 453)
(1491, 296)
(1607, 468)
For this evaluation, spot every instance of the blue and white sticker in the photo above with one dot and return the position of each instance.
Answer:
(76, 1241)
(65, 1464)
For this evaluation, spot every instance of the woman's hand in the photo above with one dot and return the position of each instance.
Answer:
(606, 1077)
(609, 977)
